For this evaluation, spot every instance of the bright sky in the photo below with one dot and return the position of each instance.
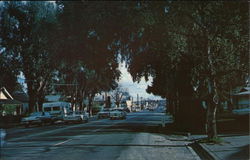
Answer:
(135, 88)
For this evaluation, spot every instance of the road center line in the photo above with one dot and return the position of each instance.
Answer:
(96, 130)
(57, 144)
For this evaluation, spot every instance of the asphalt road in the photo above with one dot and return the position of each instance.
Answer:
(135, 138)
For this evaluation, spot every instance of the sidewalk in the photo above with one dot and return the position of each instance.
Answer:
(233, 147)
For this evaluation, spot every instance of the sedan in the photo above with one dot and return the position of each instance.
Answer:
(76, 117)
(37, 118)
(118, 114)
(103, 113)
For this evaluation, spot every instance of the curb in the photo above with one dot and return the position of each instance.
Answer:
(188, 134)
(11, 125)
(202, 151)
(214, 156)
(196, 156)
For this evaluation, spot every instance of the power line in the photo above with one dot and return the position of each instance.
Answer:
(64, 84)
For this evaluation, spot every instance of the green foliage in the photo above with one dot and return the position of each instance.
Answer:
(159, 46)
(8, 109)
(27, 36)
(193, 50)
(216, 140)
(81, 43)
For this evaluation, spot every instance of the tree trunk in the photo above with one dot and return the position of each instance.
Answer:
(40, 99)
(72, 101)
(168, 110)
(211, 120)
(32, 96)
(32, 103)
(81, 104)
(41, 92)
(213, 100)
(170, 106)
(175, 109)
(90, 104)
(40, 104)
(117, 104)
(108, 102)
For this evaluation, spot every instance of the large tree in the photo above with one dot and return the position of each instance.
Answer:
(27, 35)
(86, 49)
(192, 50)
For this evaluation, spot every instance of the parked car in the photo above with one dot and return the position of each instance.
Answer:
(37, 118)
(104, 113)
(242, 114)
(118, 114)
(243, 111)
(76, 117)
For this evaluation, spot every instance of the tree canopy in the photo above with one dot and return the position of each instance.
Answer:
(194, 51)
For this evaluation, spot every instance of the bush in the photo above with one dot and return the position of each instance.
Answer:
(216, 140)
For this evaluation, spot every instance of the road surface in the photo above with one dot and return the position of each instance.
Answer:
(135, 138)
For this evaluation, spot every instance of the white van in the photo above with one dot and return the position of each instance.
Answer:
(57, 109)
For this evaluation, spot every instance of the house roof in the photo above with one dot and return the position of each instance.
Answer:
(9, 101)
(20, 96)
(4, 94)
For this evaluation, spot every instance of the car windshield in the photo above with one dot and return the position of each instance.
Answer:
(105, 110)
(57, 108)
(79, 112)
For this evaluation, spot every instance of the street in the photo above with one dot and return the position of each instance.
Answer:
(133, 138)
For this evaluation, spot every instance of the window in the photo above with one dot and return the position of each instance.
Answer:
(47, 109)
(57, 108)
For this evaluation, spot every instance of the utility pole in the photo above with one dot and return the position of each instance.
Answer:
(137, 99)
(141, 104)
(132, 102)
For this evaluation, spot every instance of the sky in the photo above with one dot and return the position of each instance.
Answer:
(135, 88)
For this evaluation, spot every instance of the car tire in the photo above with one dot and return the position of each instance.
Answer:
(80, 120)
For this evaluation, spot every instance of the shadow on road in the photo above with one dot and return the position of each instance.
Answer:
(243, 153)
